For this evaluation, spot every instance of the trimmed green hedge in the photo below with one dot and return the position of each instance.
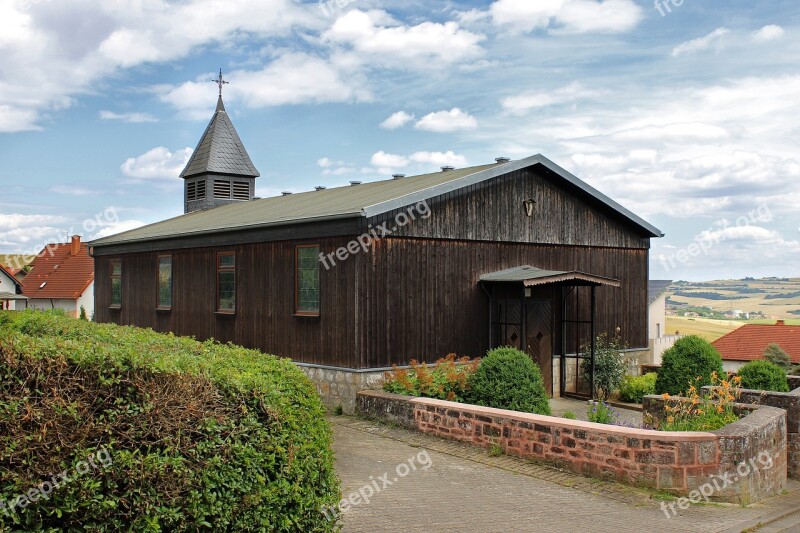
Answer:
(763, 375)
(635, 388)
(691, 361)
(508, 379)
(196, 435)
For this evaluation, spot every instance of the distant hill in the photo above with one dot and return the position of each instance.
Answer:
(766, 298)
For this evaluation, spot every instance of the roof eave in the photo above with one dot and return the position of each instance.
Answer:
(100, 244)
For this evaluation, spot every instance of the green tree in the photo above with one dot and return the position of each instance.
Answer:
(777, 355)
(609, 364)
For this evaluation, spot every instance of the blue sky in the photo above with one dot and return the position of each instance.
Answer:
(687, 114)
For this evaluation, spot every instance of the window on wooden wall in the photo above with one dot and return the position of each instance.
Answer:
(222, 189)
(165, 282)
(226, 282)
(116, 283)
(307, 280)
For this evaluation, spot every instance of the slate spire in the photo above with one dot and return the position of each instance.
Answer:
(220, 170)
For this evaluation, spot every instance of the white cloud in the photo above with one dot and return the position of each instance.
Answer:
(383, 160)
(447, 121)
(524, 103)
(377, 38)
(294, 78)
(439, 158)
(158, 164)
(768, 33)
(397, 120)
(128, 117)
(701, 43)
(117, 227)
(72, 190)
(568, 16)
(64, 48)
(17, 220)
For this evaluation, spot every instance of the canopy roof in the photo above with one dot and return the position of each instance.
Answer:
(531, 276)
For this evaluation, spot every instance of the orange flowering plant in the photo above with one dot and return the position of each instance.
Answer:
(709, 412)
(447, 379)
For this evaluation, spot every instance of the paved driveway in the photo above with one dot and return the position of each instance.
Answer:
(418, 483)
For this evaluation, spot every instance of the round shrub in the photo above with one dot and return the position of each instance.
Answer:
(691, 361)
(156, 433)
(764, 375)
(509, 379)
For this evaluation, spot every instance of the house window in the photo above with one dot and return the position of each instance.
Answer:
(307, 280)
(164, 281)
(226, 282)
(116, 283)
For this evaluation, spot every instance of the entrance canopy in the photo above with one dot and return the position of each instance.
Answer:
(531, 276)
(541, 312)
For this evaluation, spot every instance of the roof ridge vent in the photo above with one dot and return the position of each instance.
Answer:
(448, 168)
(286, 193)
(502, 160)
(398, 176)
(320, 188)
(354, 183)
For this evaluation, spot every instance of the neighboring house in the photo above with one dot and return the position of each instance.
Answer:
(350, 280)
(62, 277)
(748, 343)
(660, 340)
(11, 297)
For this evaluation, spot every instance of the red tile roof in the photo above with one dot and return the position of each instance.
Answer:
(11, 274)
(749, 341)
(56, 273)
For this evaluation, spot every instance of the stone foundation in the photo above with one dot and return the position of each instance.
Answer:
(339, 386)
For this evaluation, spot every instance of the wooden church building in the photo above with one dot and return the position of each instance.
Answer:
(348, 281)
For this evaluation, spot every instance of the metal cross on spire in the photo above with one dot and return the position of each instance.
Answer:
(220, 81)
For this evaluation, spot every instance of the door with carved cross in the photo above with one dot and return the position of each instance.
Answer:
(539, 338)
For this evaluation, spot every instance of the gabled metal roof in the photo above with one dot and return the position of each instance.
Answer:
(366, 200)
(656, 287)
(531, 276)
(220, 150)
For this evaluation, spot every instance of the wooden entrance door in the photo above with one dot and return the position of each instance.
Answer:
(539, 338)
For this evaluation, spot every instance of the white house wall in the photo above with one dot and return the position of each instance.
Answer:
(87, 301)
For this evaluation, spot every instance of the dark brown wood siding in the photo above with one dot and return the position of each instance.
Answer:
(422, 299)
(494, 211)
(264, 316)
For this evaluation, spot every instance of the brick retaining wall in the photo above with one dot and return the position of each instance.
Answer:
(678, 462)
(789, 401)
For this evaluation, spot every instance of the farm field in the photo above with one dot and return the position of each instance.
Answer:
(769, 298)
(706, 328)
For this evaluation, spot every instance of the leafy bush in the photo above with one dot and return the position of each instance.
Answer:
(609, 364)
(198, 436)
(775, 354)
(690, 362)
(448, 380)
(634, 388)
(707, 413)
(569, 415)
(763, 375)
(508, 379)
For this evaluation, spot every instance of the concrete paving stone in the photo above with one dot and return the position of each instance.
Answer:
(466, 490)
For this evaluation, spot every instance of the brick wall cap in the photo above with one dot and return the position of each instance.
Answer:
(647, 434)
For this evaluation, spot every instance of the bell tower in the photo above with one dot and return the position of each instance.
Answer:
(220, 171)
